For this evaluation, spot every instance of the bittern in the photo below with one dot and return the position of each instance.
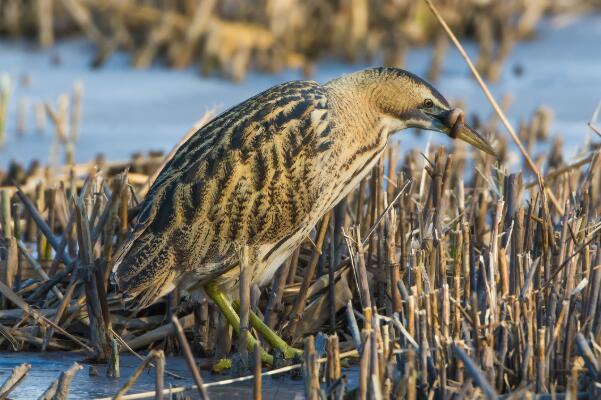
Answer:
(259, 177)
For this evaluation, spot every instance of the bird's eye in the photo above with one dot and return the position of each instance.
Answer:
(428, 103)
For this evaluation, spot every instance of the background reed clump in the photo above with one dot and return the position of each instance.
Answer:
(443, 282)
(234, 35)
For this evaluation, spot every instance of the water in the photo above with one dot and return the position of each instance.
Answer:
(125, 111)
(46, 367)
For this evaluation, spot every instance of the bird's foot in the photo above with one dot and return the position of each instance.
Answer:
(240, 365)
(222, 365)
(271, 336)
(292, 353)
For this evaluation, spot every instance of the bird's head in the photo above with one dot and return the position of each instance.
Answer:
(406, 101)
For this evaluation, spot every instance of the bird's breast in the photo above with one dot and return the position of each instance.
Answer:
(343, 177)
(354, 162)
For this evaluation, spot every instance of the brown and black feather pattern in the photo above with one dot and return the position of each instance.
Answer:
(260, 175)
(238, 180)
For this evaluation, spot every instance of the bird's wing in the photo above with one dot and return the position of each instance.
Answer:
(248, 177)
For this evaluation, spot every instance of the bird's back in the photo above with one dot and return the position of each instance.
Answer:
(249, 177)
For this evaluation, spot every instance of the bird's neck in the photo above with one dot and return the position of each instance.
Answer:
(361, 133)
(354, 101)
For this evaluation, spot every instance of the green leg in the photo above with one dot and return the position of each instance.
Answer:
(272, 338)
(232, 317)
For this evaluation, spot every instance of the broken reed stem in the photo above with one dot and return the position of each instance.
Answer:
(361, 273)
(4, 96)
(113, 369)
(299, 304)
(587, 354)
(331, 279)
(8, 264)
(353, 327)
(43, 226)
(60, 311)
(257, 387)
(310, 370)
(76, 106)
(137, 355)
(64, 381)
(275, 298)
(373, 228)
(244, 310)
(202, 391)
(22, 116)
(476, 373)
(16, 376)
(393, 264)
(99, 337)
(152, 355)
(333, 370)
(159, 375)
(45, 16)
(59, 388)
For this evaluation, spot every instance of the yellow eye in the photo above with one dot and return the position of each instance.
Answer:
(428, 103)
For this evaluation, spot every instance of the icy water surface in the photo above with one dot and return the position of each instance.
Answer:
(46, 367)
(127, 110)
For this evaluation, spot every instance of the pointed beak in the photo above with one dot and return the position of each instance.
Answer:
(469, 135)
(452, 123)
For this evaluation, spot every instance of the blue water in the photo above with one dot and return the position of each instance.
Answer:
(126, 110)
(46, 367)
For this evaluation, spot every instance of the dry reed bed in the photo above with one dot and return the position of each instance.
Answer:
(442, 288)
(445, 288)
(232, 36)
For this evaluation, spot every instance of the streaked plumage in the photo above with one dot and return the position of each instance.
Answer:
(261, 175)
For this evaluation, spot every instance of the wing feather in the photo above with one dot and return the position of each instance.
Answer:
(244, 178)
